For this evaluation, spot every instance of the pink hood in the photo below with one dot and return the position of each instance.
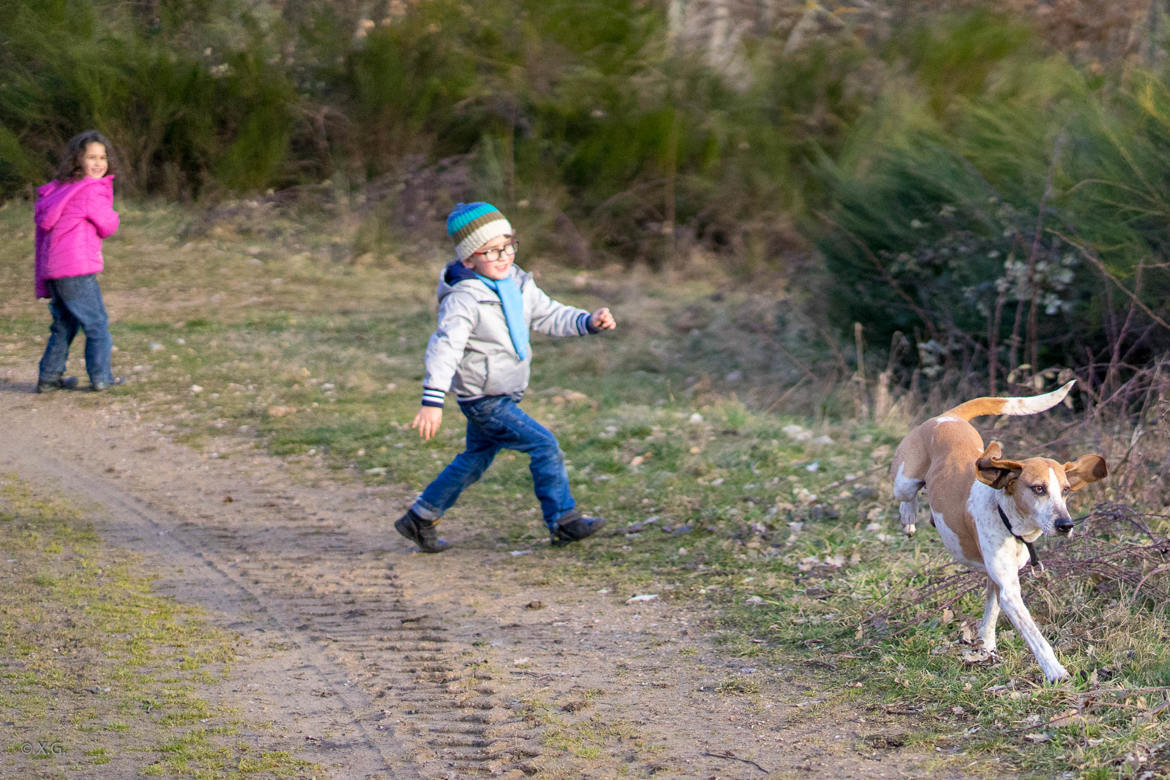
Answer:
(72, 218)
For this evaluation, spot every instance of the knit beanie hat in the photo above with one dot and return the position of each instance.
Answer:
(471, 225)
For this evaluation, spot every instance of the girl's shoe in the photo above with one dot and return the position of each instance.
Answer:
(99, 386)
(60, 383)
(574, 527)
(421, 532)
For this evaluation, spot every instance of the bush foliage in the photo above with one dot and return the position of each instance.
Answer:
(1019, 218)
(966, 185)
(585, 111)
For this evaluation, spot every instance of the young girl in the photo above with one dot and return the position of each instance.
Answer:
(74, 212)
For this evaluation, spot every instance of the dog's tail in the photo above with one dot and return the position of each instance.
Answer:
(1034, 404)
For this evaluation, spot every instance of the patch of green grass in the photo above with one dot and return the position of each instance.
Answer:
(96, 667)
(209, 753)
(739, 684)
(585, 736)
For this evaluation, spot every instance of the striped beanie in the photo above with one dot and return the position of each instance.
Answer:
(471, 225)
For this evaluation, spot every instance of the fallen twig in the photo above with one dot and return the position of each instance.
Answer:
(732, 757)
(1140, 567)
(1124, 691)
(1156, 711)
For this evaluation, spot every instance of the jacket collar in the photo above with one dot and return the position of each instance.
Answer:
(457, 272)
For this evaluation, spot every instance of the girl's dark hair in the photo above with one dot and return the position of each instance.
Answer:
(70, 167)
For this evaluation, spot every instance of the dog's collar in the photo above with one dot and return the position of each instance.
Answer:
(1033, 558)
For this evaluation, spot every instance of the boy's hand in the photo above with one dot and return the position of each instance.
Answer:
(427, 421)
(602, 320)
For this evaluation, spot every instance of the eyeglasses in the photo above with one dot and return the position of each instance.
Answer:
(492, 255)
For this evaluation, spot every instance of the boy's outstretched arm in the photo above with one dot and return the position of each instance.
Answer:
(427, 421)
(602, 319)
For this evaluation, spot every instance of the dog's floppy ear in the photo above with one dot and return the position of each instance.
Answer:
(993, 471)
(1085, 469)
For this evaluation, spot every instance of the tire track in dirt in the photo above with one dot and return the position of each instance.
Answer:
(315, 584)
(399, 656)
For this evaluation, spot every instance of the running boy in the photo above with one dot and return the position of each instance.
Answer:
(480, 351)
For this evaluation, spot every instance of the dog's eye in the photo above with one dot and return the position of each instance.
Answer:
(1039, 489)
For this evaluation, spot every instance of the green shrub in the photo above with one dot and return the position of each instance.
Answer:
(566, 113)
(997, 228)
(180, 118)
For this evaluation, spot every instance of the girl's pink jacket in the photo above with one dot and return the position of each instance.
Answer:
(72, 219)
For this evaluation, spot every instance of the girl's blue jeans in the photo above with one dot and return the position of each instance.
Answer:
(76, 304)
(493, 423)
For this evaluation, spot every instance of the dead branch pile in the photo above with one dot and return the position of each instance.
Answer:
(1116, 552)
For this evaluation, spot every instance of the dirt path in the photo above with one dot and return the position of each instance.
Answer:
(375, 661)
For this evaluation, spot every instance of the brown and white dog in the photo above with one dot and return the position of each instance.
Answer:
(987, 509)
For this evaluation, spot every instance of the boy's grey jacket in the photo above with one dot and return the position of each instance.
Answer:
(471, 352)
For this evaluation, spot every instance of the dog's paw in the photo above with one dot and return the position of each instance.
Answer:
(979, 656)
(1056, 674)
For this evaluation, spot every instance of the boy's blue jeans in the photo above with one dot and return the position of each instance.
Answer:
(76, 303)
(493, 423)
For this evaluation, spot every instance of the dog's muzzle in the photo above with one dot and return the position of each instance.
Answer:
(1064, 526)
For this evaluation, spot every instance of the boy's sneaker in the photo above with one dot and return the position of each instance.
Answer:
(60, 383)
(574, 527)
(106, 385)
(421, 532)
